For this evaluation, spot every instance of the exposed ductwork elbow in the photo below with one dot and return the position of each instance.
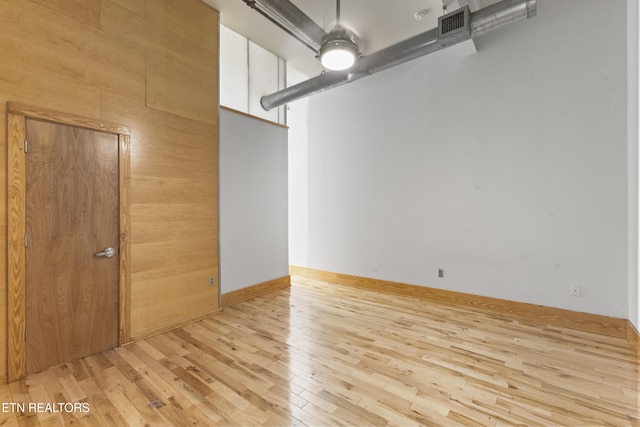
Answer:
(481, 22)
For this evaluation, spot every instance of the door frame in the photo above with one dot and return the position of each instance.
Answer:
(17, 115)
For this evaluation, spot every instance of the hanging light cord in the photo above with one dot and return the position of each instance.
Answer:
(337, 12)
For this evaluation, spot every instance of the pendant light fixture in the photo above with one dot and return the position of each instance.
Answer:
(339, 50)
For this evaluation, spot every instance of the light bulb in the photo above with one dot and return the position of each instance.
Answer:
(339, 50)
(338, 58)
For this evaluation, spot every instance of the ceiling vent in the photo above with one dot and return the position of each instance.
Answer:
(455, 23)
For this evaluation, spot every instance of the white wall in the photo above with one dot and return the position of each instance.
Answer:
(506, 168)
(298, 118)
(632, 135)
(263, 80)
(247, 73)
(234, 70)
(253, 202)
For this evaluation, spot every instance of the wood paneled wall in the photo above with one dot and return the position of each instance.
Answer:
(151, 65)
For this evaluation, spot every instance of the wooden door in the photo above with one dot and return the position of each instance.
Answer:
(72, 209)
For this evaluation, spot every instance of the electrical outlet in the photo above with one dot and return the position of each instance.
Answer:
(440, 273)
(212, 281)
(575, 290)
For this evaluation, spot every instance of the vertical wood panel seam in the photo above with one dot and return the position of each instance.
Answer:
(125, 239)
(15, 248)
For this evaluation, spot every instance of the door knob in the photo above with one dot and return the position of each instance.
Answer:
(108, 252)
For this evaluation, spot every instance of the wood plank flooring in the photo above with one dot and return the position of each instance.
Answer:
(324, 355)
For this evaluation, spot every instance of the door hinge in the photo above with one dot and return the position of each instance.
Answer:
(26, 240)
(26, 146)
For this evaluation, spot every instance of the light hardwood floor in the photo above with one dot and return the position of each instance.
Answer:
(319, 354)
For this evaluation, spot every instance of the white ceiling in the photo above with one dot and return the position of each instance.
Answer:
(378, 24)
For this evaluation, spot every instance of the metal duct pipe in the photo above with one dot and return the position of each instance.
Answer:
(404, 51)
(482, 21)
(499, 14)
(287, 16)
